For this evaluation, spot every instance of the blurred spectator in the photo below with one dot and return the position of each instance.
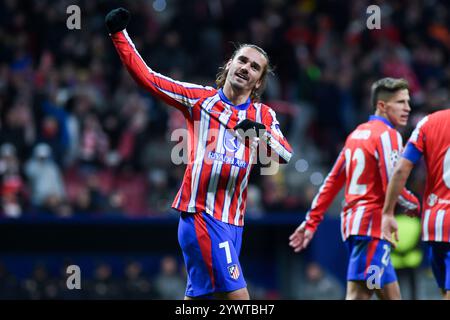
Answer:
(12, 189)
(135, 285)
(93, 144)
(103, 286)
(45, 179)
(168, 283)
(319, 285)
(41, 285)
(254, 201)
(9, 285)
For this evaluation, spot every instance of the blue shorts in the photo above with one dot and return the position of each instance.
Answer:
(370, 261)
(439, 253)
(210, 249)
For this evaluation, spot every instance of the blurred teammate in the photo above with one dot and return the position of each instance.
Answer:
(365, 165)
(212, 197)
(430, 139)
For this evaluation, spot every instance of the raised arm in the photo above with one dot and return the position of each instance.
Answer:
(181, 95)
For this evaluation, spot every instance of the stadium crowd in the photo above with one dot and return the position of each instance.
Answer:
(78, 137)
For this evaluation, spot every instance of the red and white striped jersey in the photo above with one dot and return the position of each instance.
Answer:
(365, 166)
(218, 169)
(432, 138)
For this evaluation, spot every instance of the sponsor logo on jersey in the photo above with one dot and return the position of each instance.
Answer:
(432, 199)
(226, 159)
(230, 142)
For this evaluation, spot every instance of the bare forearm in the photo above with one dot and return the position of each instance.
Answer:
(396, 185)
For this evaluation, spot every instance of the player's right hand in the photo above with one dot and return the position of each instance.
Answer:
(388, 227)
(249, 127)
(117, 20)
(301, 237)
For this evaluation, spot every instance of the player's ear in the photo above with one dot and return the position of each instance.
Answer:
(258, 83)
(381, 106)
(227, 66)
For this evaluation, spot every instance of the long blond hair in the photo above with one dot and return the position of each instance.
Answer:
(256, 92)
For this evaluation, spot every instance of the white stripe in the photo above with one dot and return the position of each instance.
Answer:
(202, 137)
(347, 224)
(369, 230)
(179, 200)
(316, 198)
(399, 142)
(387, 149)
(180, 98)
(406, 204)
(426, 218)
(277, 146)
(416, 131)
(357, 221)
(258, 112)
(342, 226)
(212, 186)
(438, 225)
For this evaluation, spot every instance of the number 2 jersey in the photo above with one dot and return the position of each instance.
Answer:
(431, 138)
(218, 169)
(365, 166)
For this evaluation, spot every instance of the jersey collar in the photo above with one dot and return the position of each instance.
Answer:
(386, 121)
(243, 106)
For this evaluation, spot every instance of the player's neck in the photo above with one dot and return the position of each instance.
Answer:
(385, 116)
(235, 96)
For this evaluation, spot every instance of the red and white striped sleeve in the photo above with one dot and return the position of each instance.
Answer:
(274, 137)
(327, 192)
(388, 151)
(181, 95)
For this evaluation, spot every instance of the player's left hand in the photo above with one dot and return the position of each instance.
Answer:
(388, 227)
(301, 237)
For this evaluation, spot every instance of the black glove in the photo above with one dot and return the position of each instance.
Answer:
(247, 124)
(117, 20)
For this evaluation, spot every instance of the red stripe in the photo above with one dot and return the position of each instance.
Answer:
(446, 227)
(204, 241)
(370, 253)
(221, 190)
(352, 218)
(432, 225)
(244, 205)
(376, 224)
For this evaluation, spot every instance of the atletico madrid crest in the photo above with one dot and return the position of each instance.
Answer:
(234, 271)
